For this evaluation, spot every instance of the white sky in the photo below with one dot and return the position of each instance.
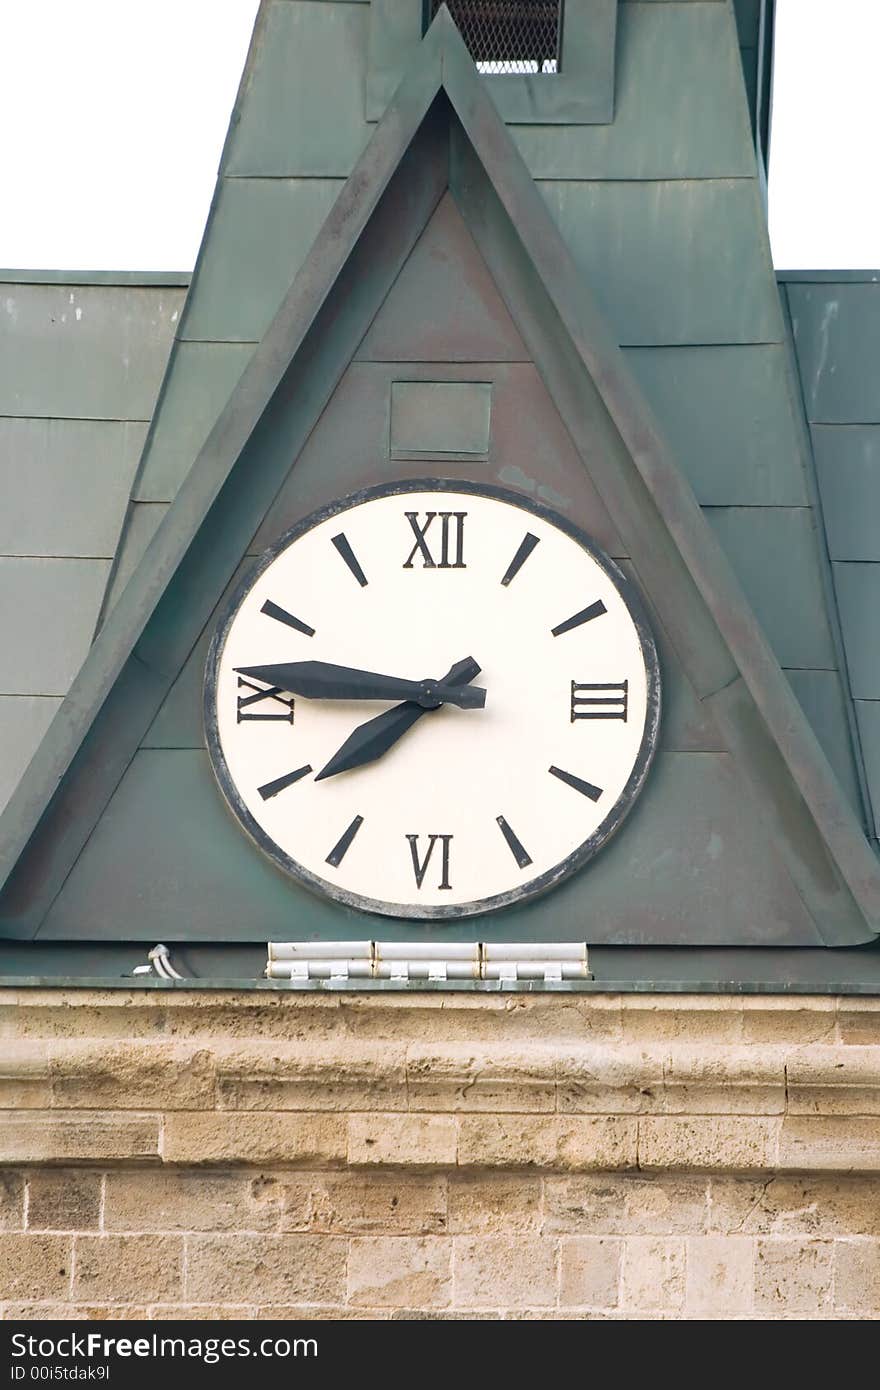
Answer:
(113, 115)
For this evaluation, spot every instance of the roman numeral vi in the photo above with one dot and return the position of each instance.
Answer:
(420, 868)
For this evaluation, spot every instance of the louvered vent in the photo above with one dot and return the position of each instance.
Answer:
(508, 36)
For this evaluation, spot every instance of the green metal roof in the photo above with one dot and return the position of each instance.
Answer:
(662, 214)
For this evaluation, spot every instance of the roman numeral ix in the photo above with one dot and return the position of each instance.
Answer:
(604, 701)
(259, 694)
(451, 534)
(420, 867)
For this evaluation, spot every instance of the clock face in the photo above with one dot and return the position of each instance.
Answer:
(432, 700)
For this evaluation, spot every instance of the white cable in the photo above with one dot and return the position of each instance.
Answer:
(161, 961)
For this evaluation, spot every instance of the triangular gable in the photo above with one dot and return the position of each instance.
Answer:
(376, 221)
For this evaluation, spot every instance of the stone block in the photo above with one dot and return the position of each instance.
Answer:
(505, 1272)
(64, 1199)
(74, 1312)
(359, 1202)
(354, 1076)
(708, 1142)
(489, 1203)
(24, 1076)
(720, 1276)
(11, 1200)
(857, 1277)
(128, 1269)
(789, 1020)
(696, 1019)
(254, 1137)
(623, 1204)
(858, 1021)
(589, 1271)
(265, 1269)
(410, 1140)
(528, 1141)
(52, 1136)
(840, 1143)
(653, 1274)
(206, 1312)
(177, 1200)
(792, 1276)
(599, 1079)
(35, 1267)
(400, 1271)
(834, 1080)
(174, 1077)
(480, 1077)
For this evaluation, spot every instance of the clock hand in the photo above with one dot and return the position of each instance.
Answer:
(374, 737)
(321, 680)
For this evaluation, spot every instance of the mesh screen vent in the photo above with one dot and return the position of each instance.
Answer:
(508, 36)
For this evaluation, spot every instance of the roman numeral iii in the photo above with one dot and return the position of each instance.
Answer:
(259, 694)
(608, 701)
(451, 537)
(420, 867)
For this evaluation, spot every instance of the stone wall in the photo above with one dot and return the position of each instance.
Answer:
(181, 1153)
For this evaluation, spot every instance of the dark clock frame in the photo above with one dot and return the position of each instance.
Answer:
(544, 882)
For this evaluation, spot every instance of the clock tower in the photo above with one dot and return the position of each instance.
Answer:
(449, 883)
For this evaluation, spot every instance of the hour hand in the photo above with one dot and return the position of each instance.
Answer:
(321, 680)
(375, 737)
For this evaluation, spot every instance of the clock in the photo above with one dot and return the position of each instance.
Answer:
(432, 700)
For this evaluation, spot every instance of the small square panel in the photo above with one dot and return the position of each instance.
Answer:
(446, 418)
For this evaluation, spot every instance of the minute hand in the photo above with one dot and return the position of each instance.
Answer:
(320, 680)
(376, 736)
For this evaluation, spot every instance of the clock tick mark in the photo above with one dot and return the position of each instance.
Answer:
(340, 849)
(273, 610)
(520, 854)
(342, 545)
(585, 788)
(273, 788)
(586, 615)
(526, 546)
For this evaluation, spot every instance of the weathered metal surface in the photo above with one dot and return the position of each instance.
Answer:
(858, 597)
(142, 523)
(263, 429)
(48, 610)
(773, 551)
(428, 418)
(783, 720)
(84, 351)
(65, 485)
(836, 328)
(167, 851)
(822, 696)
(337, 286)
(580, 92)
(625, 969)
(664, 127)
(179, 722)
(199, 383)
(306, 74)
(837, 335)
(235, 297)
(672, 261)
(444, 306)
(868, 715)
(848, 471)
(530, 449)
(727, 414)
(24, 720)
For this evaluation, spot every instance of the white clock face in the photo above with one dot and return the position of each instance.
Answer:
(427, 809)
